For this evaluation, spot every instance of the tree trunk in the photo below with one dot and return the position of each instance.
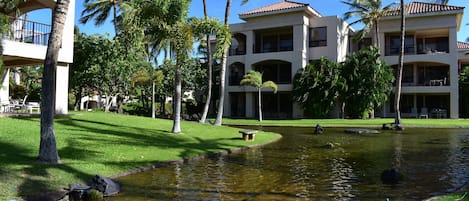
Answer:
(108, 103)
(377, 36)
(177, 102)
(219, 118)
(397, 98)
(48, 148)
(153, 100)
(260, 104)
(209, 72)
(114, 5)
(78, 99)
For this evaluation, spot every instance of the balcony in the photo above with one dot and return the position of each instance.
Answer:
(428, 42)
(273, 40)
(26, 31)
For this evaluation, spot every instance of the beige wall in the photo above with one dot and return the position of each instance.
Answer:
(336, 49)
(446, 25)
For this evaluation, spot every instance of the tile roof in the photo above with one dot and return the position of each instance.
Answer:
(463, 45)
(284, 5)
(415, 8)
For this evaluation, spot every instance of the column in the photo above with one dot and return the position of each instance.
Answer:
(5, 87)
(61, 90)
(249, 105)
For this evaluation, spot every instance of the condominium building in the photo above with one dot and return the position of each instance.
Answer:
(281, 38)
(26, 45)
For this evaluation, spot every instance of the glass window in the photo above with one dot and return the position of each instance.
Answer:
(318, 37)
(393, 45)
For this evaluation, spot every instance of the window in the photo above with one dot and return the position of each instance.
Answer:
(273, 40)
(318, 37)
(393, 45)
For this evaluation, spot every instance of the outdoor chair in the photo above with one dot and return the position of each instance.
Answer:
(423, 113)
(414, 113)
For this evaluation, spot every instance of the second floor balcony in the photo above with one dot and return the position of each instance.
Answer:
(26, 31)
(273, 40)
(421, 42)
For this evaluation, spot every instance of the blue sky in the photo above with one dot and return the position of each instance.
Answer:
(216, 9)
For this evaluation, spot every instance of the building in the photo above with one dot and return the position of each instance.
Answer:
(281, 38)
(432, 58)
(278, 40)
(26, 45)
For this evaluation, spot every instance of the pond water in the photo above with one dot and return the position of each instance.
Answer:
(298, 167)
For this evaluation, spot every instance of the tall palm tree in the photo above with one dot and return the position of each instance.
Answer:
(209, 70)
(254, 78)
(99, 10)
(219, 118)
(368, 12)
(48, 148)
(397, 98)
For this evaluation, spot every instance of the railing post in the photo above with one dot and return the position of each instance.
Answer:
(34, 28)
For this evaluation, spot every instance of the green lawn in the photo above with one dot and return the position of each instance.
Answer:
(454, 197)
(378, 122)
(99, 143)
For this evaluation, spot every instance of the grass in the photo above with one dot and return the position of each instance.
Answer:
(378, 122)
(454, 197)
(99, 143)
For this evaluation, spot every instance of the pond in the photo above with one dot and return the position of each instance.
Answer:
(299, 167)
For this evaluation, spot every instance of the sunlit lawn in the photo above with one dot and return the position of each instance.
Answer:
(378, 122)
(99, 143)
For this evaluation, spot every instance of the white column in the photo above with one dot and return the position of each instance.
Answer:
(61, 90)
(454, 84)
(5, 87)
(249, 41)
(249, 105)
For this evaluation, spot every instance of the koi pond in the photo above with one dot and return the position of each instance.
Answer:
(300, 167)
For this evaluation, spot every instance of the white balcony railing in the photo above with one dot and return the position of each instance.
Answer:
(26, 31)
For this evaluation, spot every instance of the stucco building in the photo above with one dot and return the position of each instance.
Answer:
(26, 45)
(281, 38)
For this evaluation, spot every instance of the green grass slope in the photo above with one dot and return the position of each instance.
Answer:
(101, 143)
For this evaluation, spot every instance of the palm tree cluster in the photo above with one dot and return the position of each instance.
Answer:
(161, 26)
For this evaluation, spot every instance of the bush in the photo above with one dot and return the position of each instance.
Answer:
(136, 108)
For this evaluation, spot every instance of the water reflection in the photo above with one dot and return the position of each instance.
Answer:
(298, 168)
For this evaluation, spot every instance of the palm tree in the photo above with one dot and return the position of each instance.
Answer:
(99, 10)
(369, 13)
(254, 78)
(209, 70)
(397, 98)
(148, 77)
(48, 148)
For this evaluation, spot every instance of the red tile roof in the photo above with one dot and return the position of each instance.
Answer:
(284, 5)
(463, 45)
(415, 8)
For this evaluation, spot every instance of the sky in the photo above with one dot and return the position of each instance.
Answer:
(216, 8)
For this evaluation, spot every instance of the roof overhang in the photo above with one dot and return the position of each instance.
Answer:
(459, 15)
(30, 5)
(307, 9)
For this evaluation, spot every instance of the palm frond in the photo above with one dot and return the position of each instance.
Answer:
(270, 84)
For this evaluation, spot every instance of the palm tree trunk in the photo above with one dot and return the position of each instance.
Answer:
(260, 104)
(218, 120)
(177, 102)
(48, 148)
(397, 98)
(377, 36)
(209, 71)
(114, 5)
(153, 110)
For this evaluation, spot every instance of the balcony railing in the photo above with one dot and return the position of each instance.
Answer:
(26, 31)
